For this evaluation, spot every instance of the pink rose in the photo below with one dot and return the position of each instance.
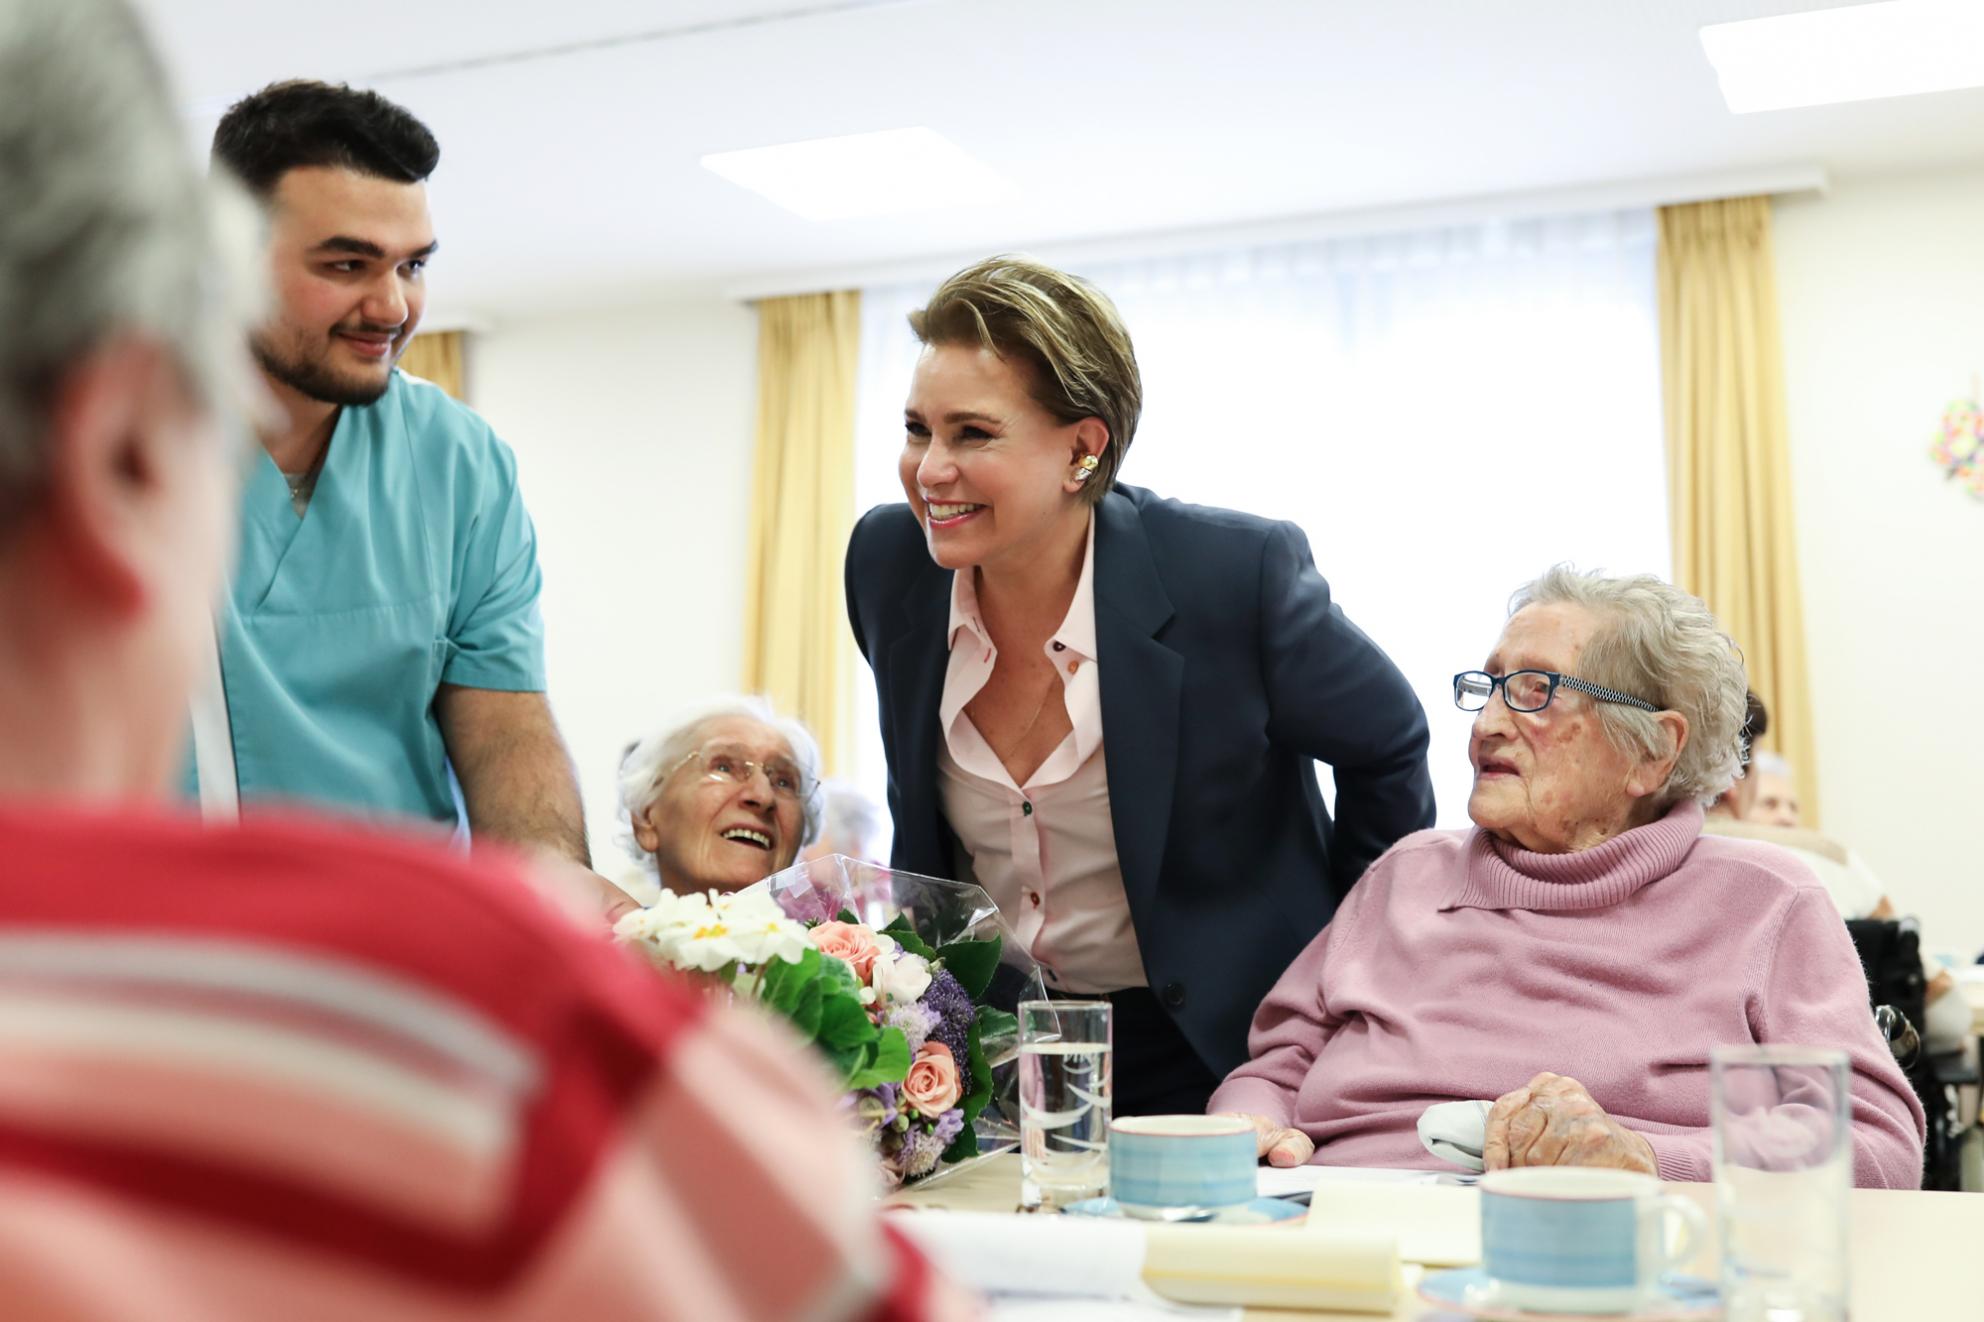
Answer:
(932, 1086)
(850, 942)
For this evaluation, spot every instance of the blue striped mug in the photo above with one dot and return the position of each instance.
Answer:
(1577, 1239)
(1162, 1166)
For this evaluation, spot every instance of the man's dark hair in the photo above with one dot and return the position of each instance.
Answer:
(292, 125)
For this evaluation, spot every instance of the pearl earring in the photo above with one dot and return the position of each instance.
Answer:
(1086, 469)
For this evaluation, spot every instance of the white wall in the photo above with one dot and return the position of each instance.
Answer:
(1882, 293)
(634, 434)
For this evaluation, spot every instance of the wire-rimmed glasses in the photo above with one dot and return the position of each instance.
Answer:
(734, 763)
(1531, 690)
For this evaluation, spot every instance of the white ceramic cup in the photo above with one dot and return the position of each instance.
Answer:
(1576, 1239)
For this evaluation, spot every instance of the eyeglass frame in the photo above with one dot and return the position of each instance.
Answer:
(1557, 680)
(752, 766)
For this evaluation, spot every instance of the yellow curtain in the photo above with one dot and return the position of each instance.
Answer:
(797, 649)
(437, 357)
(1728, 471)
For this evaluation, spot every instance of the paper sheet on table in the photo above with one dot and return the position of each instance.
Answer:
(1279, 1182)
(1059, 1256)
(1437, 1225)
(1075, 1257)
(1031, 1308)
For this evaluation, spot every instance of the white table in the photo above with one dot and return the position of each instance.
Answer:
(1915, 1255)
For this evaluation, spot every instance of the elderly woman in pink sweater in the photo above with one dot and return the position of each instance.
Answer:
(1575, 955)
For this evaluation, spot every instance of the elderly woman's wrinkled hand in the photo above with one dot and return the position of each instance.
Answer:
(1277, 1144)
(1553, 1121)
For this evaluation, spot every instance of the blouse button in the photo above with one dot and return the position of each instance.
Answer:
(1073, 666)
(1026, 808)
(1060, 647)
(1033, 897)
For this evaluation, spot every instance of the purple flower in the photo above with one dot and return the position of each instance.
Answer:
(876, 1108)
(951, 1007)
(950, 1125)
(915, 1021)
(926, 1145)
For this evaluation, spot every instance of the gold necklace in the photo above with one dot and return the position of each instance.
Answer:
(1020, 739)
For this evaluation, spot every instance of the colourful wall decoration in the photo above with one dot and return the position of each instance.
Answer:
(1959, 443)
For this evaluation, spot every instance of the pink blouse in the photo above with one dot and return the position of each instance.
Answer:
(1045, 851)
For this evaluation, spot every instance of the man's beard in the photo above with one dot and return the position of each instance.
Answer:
(314, 378)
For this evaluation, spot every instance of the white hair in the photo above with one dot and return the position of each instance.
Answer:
(1657, 642)
(852, 819)
(648, 760)
(107, 225)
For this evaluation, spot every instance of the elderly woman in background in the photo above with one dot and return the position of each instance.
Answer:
(1577, 953)
(721, 799)
(1763, 805)
(851, 825)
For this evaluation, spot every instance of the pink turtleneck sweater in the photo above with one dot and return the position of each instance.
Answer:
(1460, 967)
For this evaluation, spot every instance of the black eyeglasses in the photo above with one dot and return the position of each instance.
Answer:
(1530, 690)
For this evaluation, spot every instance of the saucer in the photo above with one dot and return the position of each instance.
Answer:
(1679, 1298)
(1260, 1212)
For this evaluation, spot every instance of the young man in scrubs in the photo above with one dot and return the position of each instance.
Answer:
(382, 641)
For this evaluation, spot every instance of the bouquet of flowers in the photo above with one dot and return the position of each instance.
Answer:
(904, 983)
(1959, 443)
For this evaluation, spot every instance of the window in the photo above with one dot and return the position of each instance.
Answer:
(1446, 413)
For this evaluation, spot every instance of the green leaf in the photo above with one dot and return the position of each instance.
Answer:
(849, 1061)
(889, 1065)
(785, 983)
(838, 972)
(980, 1091)
(972, 963)
(964, 1146)
(847, 916)
(906, 937)
(805, 1013)
(845, 1024)
(996, 1025)
(821, 999)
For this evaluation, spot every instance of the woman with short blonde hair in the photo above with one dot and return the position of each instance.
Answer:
(1106, 707)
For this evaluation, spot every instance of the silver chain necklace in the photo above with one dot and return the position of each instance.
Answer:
(302, 484)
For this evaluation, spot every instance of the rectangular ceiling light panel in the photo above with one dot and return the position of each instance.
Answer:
(1858, 53)
(863, 174)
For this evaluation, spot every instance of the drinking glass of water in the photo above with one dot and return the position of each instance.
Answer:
(1064, 1102)
(1783, 1171)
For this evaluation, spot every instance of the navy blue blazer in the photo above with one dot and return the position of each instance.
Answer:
(1224, 669)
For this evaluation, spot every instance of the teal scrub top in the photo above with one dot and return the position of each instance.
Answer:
(414, 565)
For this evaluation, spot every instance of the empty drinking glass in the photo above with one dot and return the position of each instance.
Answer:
(1783, 1170)
(1064, 1102)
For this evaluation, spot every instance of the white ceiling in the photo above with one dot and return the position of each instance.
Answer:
(571, 130)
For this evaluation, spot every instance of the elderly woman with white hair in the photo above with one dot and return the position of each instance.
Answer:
(1577, 953)
(720, 799)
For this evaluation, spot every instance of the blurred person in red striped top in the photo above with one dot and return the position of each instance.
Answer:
(291, 1070)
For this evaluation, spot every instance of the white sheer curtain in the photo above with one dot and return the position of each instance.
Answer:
(1445, 413)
